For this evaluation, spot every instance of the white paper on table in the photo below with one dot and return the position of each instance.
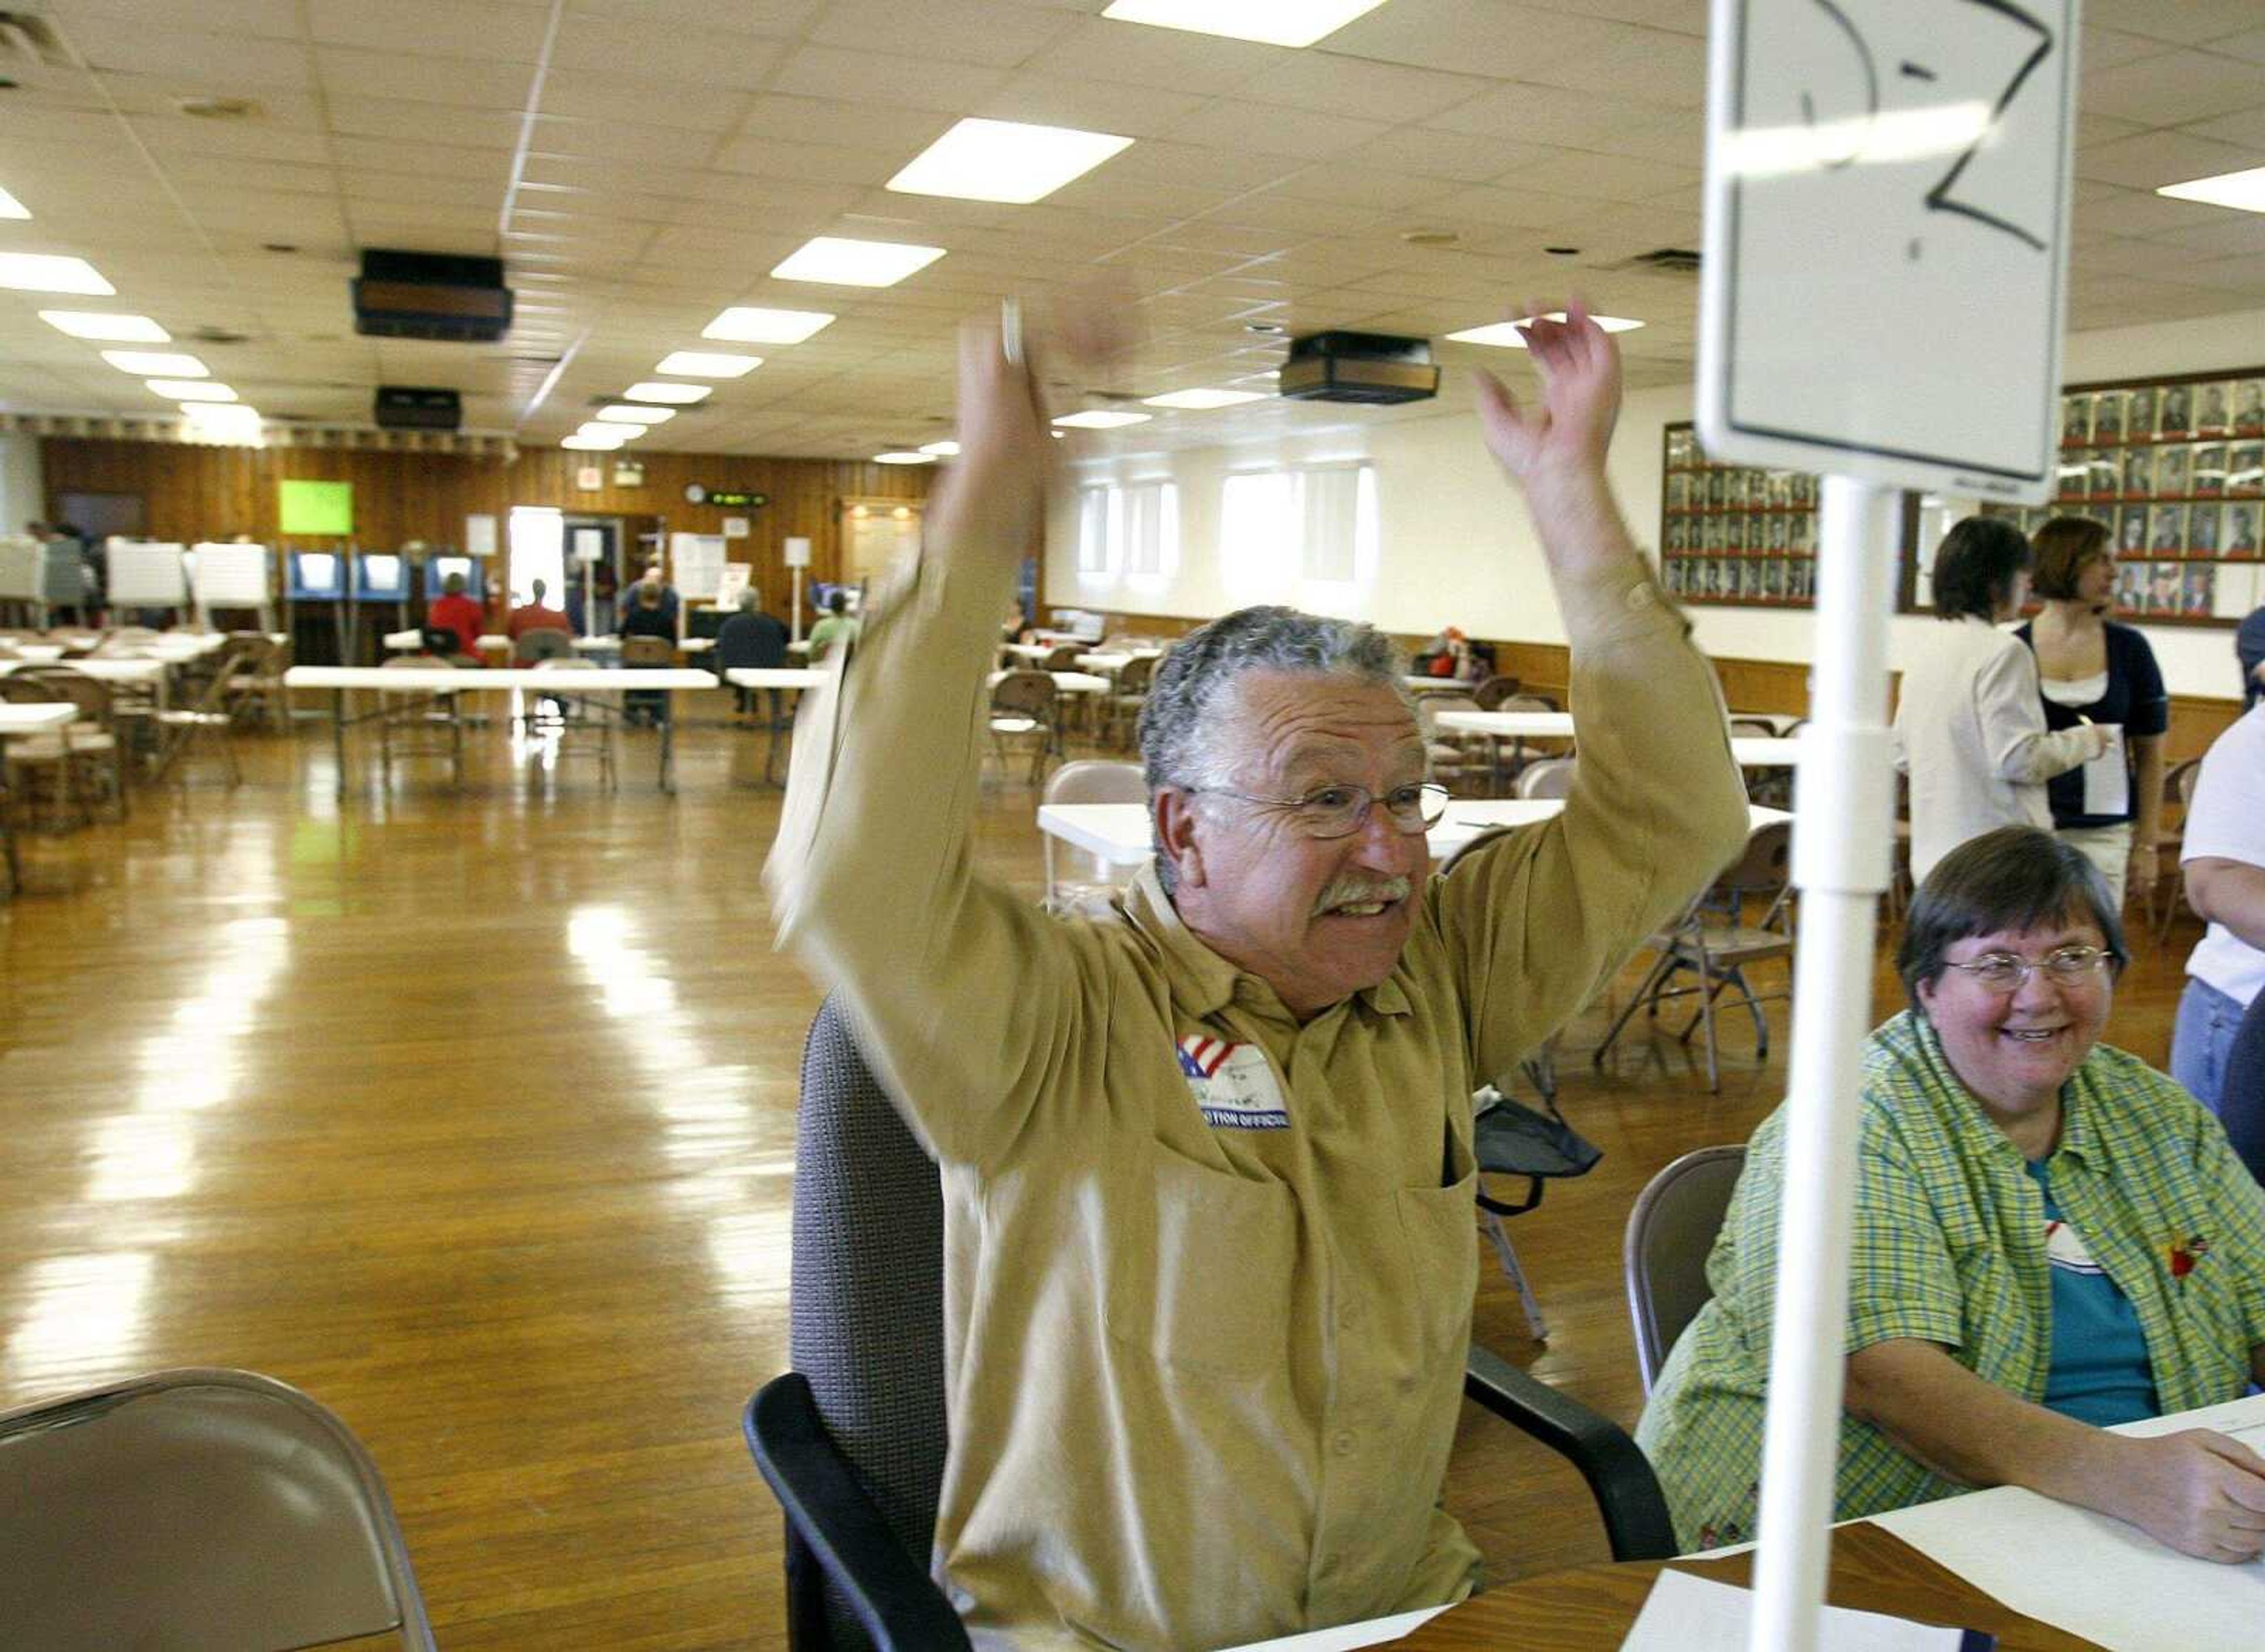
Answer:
(2107, 783)
(2093, 1575)
(1684, 1613)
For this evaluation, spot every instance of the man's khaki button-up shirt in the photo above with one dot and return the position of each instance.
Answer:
(1209, 1271)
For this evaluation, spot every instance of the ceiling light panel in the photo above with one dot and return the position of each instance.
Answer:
(157, 364)
(2244, 192)
(581, 443)
(676, 395)
(705, 364)
(1273, 22)
(628, 414)
(748, 324)
(1102, 419)
(95, 324)
(1198, 400)
(11, 208)
(838, 261)
(46, 272)
(940, 449)
(1503, 335)
(901, 457)
(1005, 161)
(192, 390)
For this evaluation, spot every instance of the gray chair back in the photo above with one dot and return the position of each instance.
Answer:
(536, 646)
(866, 1305)
(1669, 1232)
(199, 1511)
(1546, 777)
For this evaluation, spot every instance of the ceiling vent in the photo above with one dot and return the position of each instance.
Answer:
(27, 41)
(1666, 260)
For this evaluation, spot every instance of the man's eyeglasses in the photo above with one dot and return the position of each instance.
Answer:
(1338, 812)
(2003, 972)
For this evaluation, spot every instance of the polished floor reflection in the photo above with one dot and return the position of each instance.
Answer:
(473, 1115)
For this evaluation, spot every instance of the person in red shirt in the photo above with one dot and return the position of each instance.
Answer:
(458, 613)
(536, 617)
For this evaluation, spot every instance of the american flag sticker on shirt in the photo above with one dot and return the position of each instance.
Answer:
(1233, 1084)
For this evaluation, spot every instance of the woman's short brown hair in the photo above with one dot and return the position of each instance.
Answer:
(2064, 546)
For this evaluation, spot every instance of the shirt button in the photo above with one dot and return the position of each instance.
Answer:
(1344, 1443)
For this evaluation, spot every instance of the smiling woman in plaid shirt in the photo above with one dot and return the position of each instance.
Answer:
(2050, 1236)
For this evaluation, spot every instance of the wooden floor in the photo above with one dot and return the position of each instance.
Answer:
(472, 1115)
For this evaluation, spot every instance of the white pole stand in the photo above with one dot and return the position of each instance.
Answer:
(1844, 792)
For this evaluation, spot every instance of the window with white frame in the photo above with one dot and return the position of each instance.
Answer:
(1318, 523)
(1093, 530)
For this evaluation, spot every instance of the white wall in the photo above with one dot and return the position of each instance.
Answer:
(23, 493)
(1457, 548)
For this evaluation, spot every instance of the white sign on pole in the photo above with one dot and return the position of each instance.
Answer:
(479, 536)
(1884, 282)
(230, 576)
(146, 575)
(737, 577)
(697, 561)
(798, 552)
(589, 545)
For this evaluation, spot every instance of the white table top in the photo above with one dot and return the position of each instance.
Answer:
(494, 643)
(34, 719)
(135, 671)
(776, 676)
(172, 646)
(1070, 681)
(460, 680)
(802, 647)
(404, 642)
(607, 644)
(1116, 659)
(1031, 650)
(1755, 752)
(1438, 685)
(1119, 832)
(1532, 725)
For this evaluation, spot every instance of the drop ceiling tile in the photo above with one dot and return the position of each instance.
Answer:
(2156, 158)
(2141, 212)
(235, 63)
(422, 160)
(425, 123)
(620, 141)
(1188, 164)
(1670, 68)
(2244, 129)
(2231, 233)
(1088, 105)
(2189, 22)
(956, 30)
(1271, 129)
(1474, 36)
(839, 124)
(1603, 176)
(610, 98)
(469, 83)
(1539, 114)
(452, 28)
(170, 135)
(1323, 79)
(1101, 48)
(1431, 153)
(768, 157)
(276, 18)
(700, 49)
(2198, 84)
(821, 71)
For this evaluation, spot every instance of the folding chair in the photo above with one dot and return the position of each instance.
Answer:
(1088, 781)
(1664, 1253)
(201, 1511)
(1024, 706)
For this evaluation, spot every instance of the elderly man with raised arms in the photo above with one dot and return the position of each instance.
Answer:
(1207, 1160)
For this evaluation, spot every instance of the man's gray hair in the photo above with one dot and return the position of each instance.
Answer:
(1183, 719)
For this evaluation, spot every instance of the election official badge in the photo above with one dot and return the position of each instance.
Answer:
(1233, 1084)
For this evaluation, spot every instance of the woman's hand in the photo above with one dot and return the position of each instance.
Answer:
(2195, 1491)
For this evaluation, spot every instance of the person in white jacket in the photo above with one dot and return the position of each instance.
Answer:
(1969, 723)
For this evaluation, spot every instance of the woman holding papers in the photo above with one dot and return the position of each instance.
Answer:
(2050, 1237)
(2091, 670)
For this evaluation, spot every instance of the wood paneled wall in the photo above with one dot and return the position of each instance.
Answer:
(190, 493)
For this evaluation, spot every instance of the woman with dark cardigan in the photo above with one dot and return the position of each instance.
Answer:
(2092, 670)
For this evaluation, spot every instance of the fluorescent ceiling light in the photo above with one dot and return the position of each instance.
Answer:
(192, 390)
(1503, 335)
(593, 444)
(1202, 398)
(678, 395)
(599, 430)
(707, 364)
(1275, 22)
(904, 458)
(11, 208)
(842, 262)
(47, 273)
(1885, 139)
(95, 324)
(1005, 160)
(1101, 420)
(748, 324)
(234, 424)
(626, 413)
(157, 364)
(940, 449)
(2244, 192)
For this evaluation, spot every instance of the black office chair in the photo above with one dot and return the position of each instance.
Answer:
(852, 1438)
(2241, 1097)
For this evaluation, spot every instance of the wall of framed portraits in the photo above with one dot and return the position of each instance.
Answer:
(2175, 469)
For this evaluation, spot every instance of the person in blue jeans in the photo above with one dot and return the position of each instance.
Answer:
(2224, 860)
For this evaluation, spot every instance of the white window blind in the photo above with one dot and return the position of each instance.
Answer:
(1093, 516)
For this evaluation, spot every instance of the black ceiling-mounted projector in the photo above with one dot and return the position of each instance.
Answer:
(434, 296)
(417, 407)
(1373, 368)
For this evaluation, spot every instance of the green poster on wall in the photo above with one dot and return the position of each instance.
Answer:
(317, 508)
